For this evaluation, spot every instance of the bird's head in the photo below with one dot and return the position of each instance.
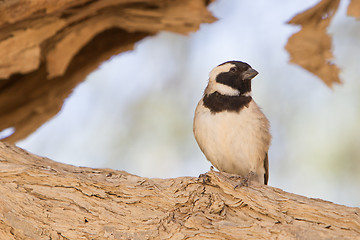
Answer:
(232, 78)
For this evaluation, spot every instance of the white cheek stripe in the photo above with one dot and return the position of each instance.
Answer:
(225, 90)
(247, 94)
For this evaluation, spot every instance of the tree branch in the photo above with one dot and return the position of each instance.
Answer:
(42, 199)
(49, 47)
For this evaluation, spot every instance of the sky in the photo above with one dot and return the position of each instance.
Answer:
(135, 112)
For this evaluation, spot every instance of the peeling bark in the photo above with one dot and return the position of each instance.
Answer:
(42, 199)
(48, 47)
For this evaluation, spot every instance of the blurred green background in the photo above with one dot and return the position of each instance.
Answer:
(135, 112)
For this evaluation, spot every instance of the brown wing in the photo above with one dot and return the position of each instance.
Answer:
(266, 166)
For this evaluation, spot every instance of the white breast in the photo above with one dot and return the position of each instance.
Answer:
(233, 142)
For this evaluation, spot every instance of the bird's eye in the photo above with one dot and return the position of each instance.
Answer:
(233, 69)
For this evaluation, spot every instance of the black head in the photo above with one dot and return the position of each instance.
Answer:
(236, 75)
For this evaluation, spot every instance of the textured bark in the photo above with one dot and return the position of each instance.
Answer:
(42, 199)
(48, 47)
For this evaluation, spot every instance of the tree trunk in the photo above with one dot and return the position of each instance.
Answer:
(43, 199)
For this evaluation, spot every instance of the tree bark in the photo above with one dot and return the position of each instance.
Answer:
(48, 47)
(43, 199)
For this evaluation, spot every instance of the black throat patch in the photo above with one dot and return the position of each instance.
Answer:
(217, 102)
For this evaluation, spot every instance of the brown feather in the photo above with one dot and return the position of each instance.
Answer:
(266, 166)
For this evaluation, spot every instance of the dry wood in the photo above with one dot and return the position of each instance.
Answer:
(42, 199)
(311, 47)
(48, 47)
(354, 9)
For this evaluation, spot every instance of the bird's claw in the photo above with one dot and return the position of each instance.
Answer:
(245, 181)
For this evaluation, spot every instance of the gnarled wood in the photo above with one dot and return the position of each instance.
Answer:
(42, 199)
(48, 47)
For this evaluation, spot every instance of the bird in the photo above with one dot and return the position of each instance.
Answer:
(229, 127)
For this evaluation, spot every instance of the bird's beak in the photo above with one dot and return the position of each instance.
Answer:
(249, 74)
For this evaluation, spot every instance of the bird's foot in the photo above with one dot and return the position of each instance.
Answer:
(246, 180)
(204, 178)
